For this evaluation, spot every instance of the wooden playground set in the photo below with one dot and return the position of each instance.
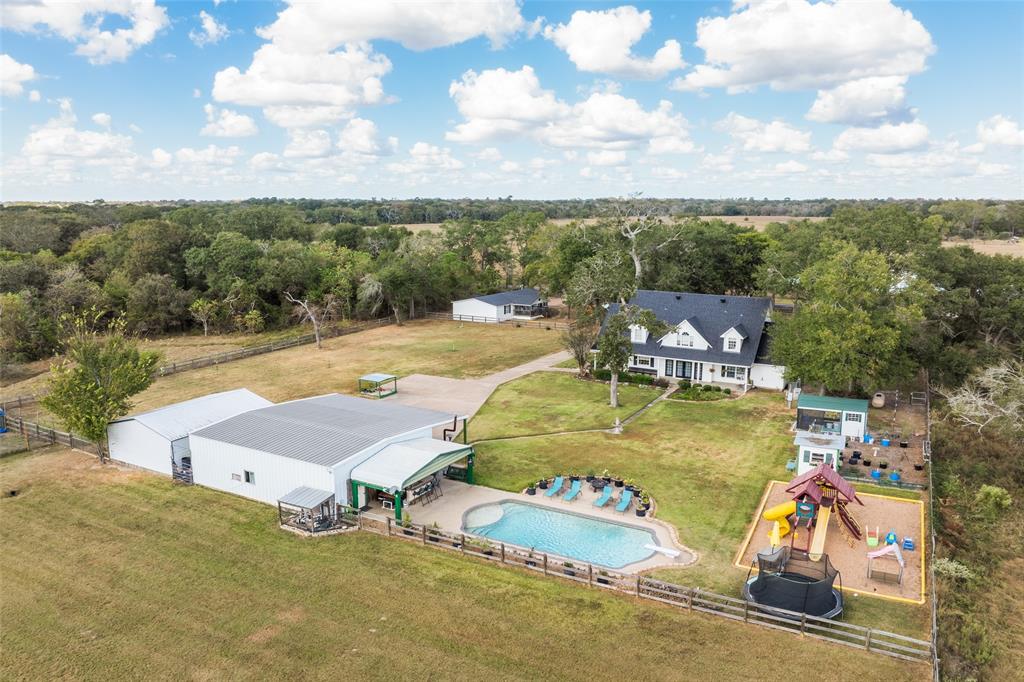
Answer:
(875, 543)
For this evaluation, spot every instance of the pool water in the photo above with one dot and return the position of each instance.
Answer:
(569, 535)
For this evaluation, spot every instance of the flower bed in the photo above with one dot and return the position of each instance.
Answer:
(698, 393)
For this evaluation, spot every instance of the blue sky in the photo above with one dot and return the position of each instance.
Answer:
(220, 100)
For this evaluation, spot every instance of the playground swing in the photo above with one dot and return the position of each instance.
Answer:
(889, 553)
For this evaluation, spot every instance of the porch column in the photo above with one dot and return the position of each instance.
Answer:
(398, 504)
(465, 430)
(354, 500)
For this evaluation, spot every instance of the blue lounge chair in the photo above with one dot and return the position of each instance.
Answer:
(555, 487)
(624, 502)
(574, 491)
(606, 495)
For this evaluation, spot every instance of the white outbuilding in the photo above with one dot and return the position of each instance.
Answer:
(519, 304)
(158, 440)
(311, 448)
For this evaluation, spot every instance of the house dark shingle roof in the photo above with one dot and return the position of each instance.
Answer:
(516, 297)
(711, 315)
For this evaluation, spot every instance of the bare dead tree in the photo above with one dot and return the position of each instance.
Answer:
(990, 398)
(317, 312)
(635, 219)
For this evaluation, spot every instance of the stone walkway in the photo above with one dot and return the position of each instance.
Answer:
(465, 396)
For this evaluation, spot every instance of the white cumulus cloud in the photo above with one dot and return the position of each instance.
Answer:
(424, 157)
(861, 101)
(1000, 130)
(498, 102)
(102, 120)
(318, 65)
(81, 23)
(887, 137)
(59, 138)
(360, 136)
(303, 143)
(227, 123)
(606, 157)
(760, 136)
(602, 42)
(210, 30)
(14, 75)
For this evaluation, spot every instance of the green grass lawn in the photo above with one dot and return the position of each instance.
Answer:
(112, 574)
(546, 402)
(705, 464)
(568, 364)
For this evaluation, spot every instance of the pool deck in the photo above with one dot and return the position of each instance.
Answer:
(447, 512)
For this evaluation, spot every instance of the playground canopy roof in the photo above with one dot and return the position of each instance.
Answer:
(810, 489)
(399, 465)
(807, 401)
(824, 473)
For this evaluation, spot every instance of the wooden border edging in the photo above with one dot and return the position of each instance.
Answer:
(642, 587)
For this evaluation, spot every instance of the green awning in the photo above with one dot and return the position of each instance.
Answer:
(399, 465)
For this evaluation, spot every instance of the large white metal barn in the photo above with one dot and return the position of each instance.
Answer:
(158, 440)
(330, 450)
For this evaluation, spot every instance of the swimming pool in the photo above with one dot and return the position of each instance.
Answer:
(566, 534)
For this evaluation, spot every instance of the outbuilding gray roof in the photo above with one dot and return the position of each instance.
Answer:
(711, 315)
(178, 420)
(306, 498)
(516, 297)
(323, 430)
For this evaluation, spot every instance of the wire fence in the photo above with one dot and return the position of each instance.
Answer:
(927, 446)
(557, 325)
(45, 434)
(644, 587)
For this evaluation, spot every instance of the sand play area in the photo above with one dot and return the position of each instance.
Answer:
(905, 517)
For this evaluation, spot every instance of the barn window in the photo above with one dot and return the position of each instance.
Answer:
(250, 477)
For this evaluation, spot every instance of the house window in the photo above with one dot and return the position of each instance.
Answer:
(731, 344)
(817, 458)
(731, 372)
(508, 309)
(668, 368)
(642, 361)
(639, 335)
(684, 339)
(853, 417)
(250, 477)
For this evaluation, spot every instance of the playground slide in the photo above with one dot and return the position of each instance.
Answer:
(820, 531)
(778, 513)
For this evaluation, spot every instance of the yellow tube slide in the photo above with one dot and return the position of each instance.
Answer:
(778, 514)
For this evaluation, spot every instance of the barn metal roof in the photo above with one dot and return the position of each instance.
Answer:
(827, 402)
(524, 296)
(178, 420)
(306, 498)
(324, 430)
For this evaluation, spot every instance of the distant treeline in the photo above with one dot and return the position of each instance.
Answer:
(967, 219)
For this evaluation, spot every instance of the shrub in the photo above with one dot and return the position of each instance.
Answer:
(661, 382)
(953, 570)
(727, 391)
(684, 384)
(709, 387)
(991, 500)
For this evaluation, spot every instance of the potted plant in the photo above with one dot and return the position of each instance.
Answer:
(866, 462)
(919, 467)
(531, 489)
(603, 578)
(569, 568)
(431, 536)
(641, 511)
(530, 561)
(629, 484)
(883, 464)
(574, 476)
(590, 476)
(605, 477)
(618, 482)
(542, 484)
(407, 523)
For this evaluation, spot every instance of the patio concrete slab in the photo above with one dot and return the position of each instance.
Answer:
(447, 512)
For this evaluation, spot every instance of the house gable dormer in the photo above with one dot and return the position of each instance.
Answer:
(733, 338)
(685, 335)
(638, 333)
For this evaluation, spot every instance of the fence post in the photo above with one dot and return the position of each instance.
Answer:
(638, 586)
(746, 610)
(689, 599)
(867, 640)
(590, 574)
(424, 533)
(545, 564)
(803, 623)
(503, 552)
(387, 528)
(462, 544)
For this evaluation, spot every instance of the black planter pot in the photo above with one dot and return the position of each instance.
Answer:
(618, 483)
(543, 485)
(489, 552)
(531, 491)
(530, 562)
(641, 512)
(590, 478)
(574, 478)
(866, 462)
(408, 532)
(631, 488)
(606, 479)
(603, 581)
(883, 465)
(569, 572)
(918, 467)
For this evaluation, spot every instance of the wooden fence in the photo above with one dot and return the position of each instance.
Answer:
(644, 587)
(49, 436)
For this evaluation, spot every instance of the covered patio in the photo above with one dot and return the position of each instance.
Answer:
(378, 385)
(410, 472)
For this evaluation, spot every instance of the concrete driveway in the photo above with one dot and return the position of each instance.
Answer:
(464, 396)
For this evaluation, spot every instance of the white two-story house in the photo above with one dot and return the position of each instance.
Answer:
(720, 339)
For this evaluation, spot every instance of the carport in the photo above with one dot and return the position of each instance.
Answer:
(411, 470)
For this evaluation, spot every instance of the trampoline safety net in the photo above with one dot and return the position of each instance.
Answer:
(788, 579)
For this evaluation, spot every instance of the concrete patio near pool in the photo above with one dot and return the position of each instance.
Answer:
(447, 512)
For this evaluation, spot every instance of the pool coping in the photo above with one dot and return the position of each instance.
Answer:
(651, 533)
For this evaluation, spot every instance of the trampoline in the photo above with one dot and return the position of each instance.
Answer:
(789, 580)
